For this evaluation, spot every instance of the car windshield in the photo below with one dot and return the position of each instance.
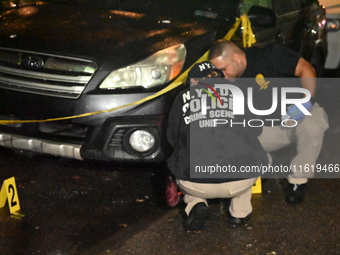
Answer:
(204, 8)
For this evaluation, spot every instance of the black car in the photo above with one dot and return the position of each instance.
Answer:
(66, 58)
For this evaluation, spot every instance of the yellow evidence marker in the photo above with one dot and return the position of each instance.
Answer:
(9, 192)
(257, 187)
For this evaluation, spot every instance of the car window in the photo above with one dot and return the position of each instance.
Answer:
(247, 4)
(286, 6)
(310, 2)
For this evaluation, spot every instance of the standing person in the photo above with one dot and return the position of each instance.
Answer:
(277, 61)
(232, 145)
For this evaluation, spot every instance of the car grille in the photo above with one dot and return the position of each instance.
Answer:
(44, 74)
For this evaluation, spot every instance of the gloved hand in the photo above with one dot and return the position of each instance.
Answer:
(294, 113)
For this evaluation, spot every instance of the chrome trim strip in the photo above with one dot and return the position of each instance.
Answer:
(40, 86)
(46, 54)
(41, 92)
(40, 146)
(45, 76)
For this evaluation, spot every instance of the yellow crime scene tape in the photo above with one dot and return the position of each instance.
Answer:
(248, 40)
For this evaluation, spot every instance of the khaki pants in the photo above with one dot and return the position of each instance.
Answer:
(239, 191)
(308, 135)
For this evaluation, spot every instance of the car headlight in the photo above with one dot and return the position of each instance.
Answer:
(157, 69)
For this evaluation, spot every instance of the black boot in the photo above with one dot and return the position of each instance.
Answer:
(238, 221)
(295, 193)
(197, 217)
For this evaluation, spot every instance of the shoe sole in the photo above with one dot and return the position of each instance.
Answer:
(239, 221)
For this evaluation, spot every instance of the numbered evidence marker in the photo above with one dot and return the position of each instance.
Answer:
(9, 192)
(257, 187)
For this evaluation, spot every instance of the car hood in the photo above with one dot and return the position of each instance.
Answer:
(93, 33)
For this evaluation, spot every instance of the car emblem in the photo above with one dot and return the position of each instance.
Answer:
(32, 62)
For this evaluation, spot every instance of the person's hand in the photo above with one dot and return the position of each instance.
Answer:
(294, 113)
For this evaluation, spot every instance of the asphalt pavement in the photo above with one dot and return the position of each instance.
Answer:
(312, 228)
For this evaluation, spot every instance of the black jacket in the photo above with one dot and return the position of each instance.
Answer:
(196, 144)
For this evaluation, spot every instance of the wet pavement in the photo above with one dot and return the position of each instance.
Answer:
(74, 207)
(275, 228)
(70, 206)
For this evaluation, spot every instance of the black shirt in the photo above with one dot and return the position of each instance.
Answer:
(268, 67)
(272, 61)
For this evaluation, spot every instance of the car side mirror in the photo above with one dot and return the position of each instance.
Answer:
(262, 17)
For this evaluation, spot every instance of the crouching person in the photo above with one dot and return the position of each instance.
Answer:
(234, 146)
